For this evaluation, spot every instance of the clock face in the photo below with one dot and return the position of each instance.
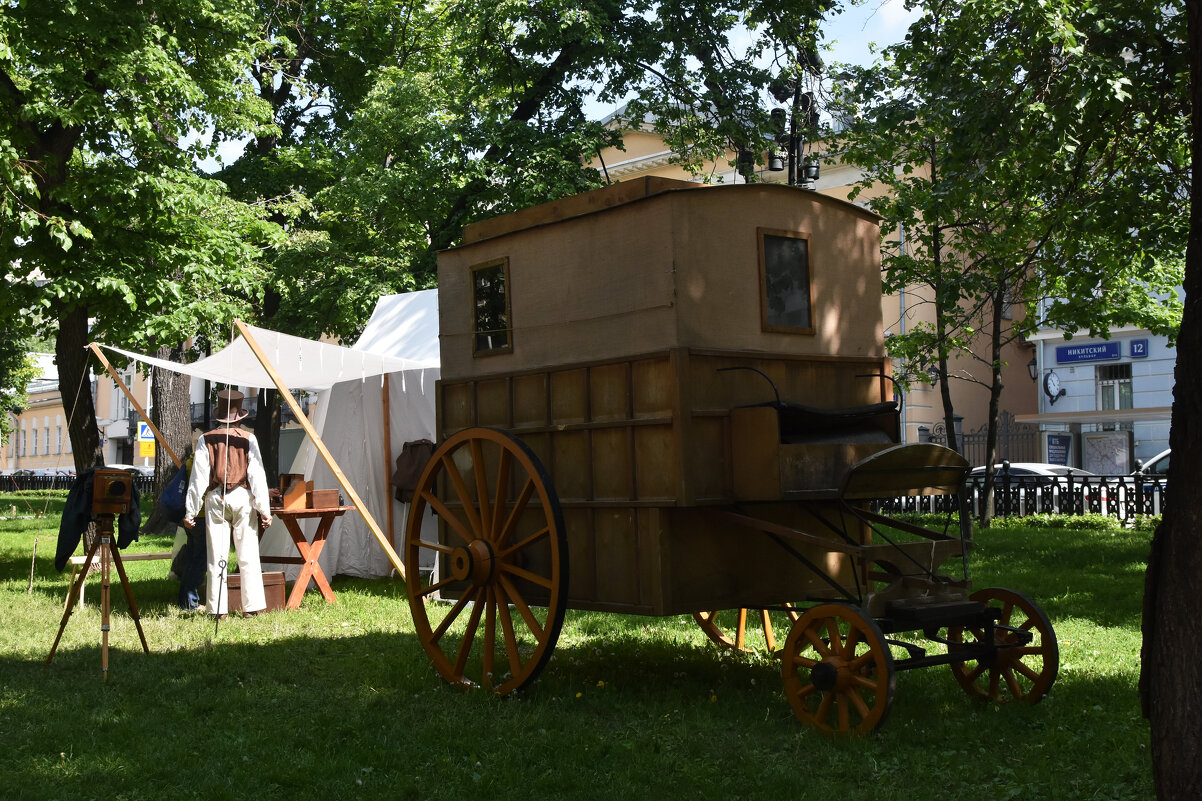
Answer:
(1051, 385)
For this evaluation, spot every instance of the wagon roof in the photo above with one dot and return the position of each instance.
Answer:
(621, 194)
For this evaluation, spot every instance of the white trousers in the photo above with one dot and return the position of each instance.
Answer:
(228, 516)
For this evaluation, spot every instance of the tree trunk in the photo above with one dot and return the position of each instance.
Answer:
(995, 397)
(71, 355)
(172, 414)
(1170, 682)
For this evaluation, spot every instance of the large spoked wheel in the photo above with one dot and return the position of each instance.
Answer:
(838, 670)
(729, 628)
(501, 557)
(1026, 660)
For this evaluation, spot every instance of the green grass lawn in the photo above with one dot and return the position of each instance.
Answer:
(338, 701)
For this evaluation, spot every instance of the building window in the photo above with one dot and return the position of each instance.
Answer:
(1114, 393)
(58, 439)
(785, 297)
(492, 326)
(35, 443)
(46, 441)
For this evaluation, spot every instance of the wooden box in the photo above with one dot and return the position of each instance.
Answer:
(273, 591)
(296, 495)
(323, 499)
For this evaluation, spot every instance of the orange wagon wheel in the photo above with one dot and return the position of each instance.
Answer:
(745, 629)
(838, 670)
(500, 558)
(1027, 658)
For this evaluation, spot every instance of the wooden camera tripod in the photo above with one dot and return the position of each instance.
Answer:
(104, 544)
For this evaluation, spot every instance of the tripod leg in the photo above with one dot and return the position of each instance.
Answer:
(72, 598)
(129, 598)
(106, 550)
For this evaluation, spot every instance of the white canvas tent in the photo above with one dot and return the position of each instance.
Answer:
(350, 419)
(367, 382)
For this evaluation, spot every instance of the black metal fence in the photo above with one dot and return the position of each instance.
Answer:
(1016, 442)
(22, 483)
(1121, 497)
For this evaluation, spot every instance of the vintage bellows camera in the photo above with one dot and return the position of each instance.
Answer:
(111, 491)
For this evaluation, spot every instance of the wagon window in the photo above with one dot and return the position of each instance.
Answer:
(785, 282)
(490, 302)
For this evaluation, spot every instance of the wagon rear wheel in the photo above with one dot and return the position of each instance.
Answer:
(500, 556)
(1027, 658)
(838, 670)
(747, 629)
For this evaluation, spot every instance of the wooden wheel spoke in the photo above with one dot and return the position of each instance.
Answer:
(511, 640)
(818, 643)
(833, 636)
(498, 505)
(824, 708)
(522, 573)
(515, 514)
(1027, 671)
(976, 672)
(844, 712)
(741, 629)
(533, 538)
(994, 684)
(858, 701)
(804, 661)
(450, 618)
(464, 495)
(433, 588)
(866, 683)
(860, 662)
(850, 643)
(490, 641)
(1015, 688)
(452, 520)
(519, 603)
(1007, 613)
(469, 634)
(483, 496)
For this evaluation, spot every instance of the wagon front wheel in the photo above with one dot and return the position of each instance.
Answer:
(745, 629)
(838, 670)
(1025, 658)
(499, 559)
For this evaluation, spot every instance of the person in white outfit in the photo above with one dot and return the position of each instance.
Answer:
(229, 480)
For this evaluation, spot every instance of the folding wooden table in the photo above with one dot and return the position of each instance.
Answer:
(309, 551)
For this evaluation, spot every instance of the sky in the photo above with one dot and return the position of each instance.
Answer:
(883, 22)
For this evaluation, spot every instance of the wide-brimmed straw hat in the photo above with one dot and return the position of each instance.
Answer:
(229, 406)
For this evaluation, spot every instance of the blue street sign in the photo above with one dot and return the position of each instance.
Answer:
(1139, 348)
(1093, 352)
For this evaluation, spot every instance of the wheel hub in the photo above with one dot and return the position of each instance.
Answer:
(473, 562)
(825, 676)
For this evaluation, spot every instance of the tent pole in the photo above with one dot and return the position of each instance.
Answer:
(326, 456)
(386, 400)
(113, 375)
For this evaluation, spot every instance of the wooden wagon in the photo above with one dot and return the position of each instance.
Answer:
(660, 398)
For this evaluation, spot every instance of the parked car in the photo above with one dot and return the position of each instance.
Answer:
(1030, 473)
(139, 469)
(1157, 466)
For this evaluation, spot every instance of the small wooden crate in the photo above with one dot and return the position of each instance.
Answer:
(273, 591)
(323, 499)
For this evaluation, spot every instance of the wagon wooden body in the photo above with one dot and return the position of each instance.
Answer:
(660, 398)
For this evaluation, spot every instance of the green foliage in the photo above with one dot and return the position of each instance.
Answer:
(100, 101)
(1034, 152)
(1086, 522)
(17, 369)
